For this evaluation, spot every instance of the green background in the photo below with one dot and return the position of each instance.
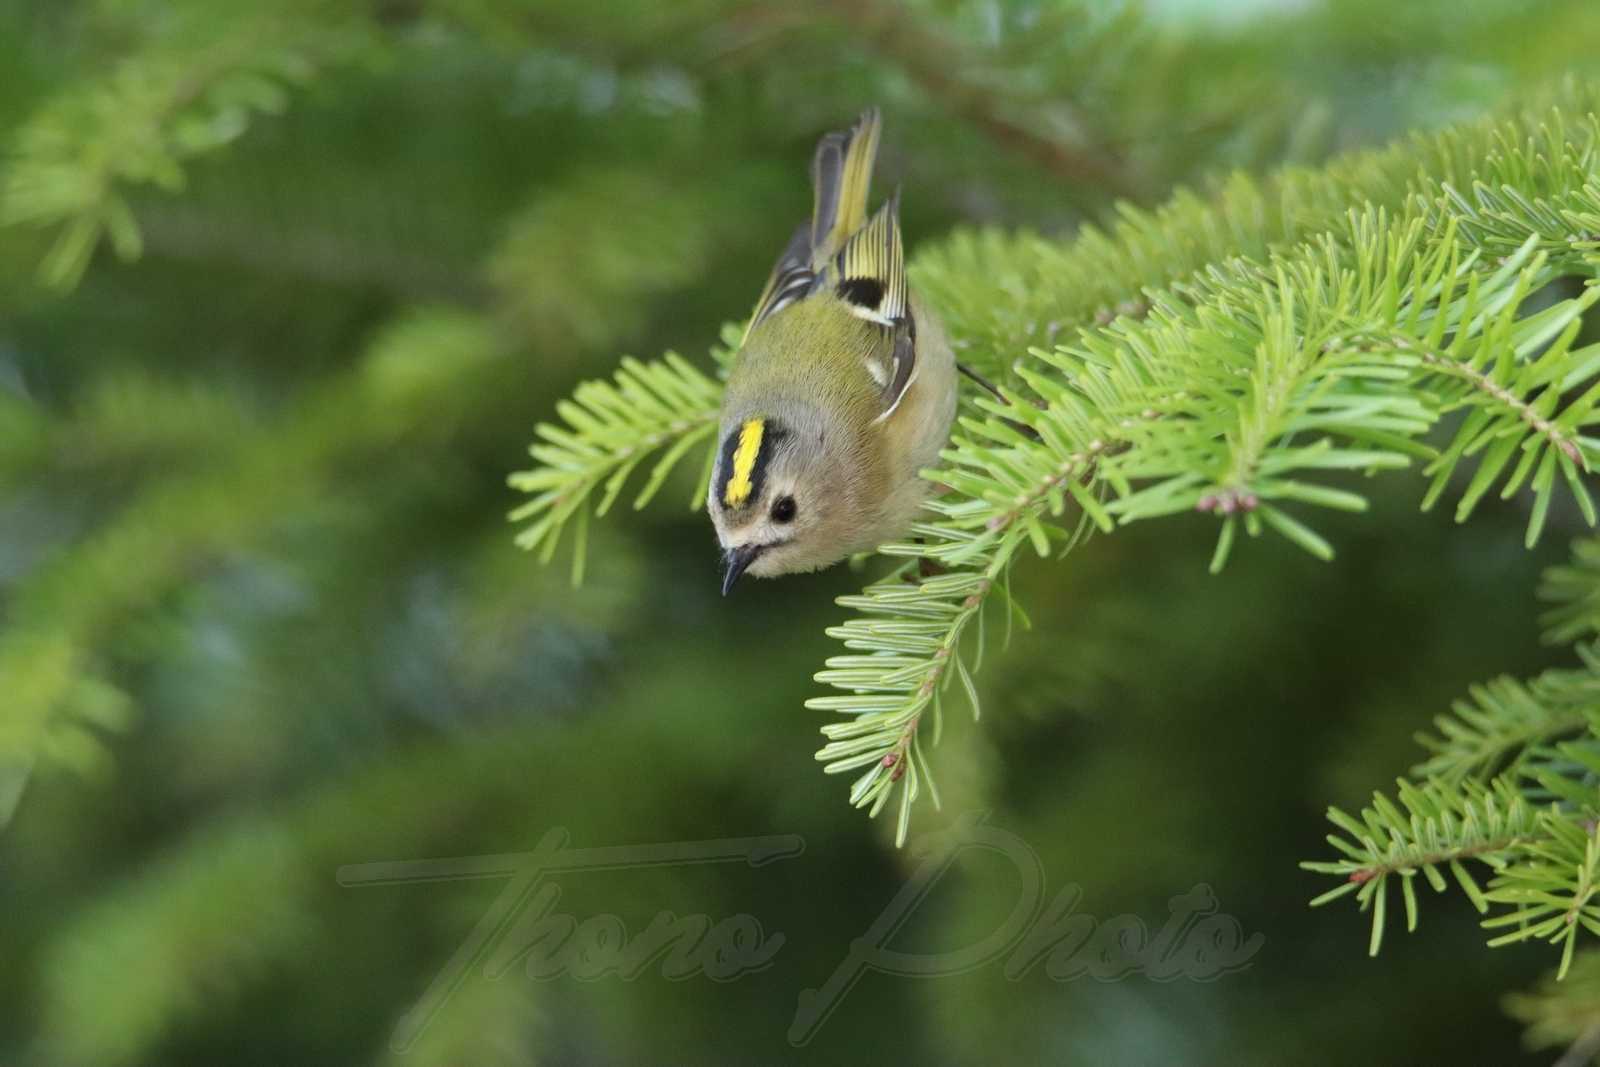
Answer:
(257, 480)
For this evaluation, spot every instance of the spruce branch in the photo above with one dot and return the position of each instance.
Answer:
(1436, 824)
(1484, 383)
(612, 427)
(1567, 772)
(1533, 823)
(75, 161)
(56, 668)
(1040, 289)
(928, 58)
(1322, 322)
(1550, 888)
(1573, 590)
(1504, 719)
(1563, 1011)
(905, 647)
(1218, 402)
(1057, 130)
(181, 920)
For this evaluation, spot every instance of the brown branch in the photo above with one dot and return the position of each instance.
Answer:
(1079, 465)
(1485, 384)
(1378, 870)
(935, 63)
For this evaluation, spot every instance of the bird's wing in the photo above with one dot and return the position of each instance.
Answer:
(792, 278)
(841, 177)
(870, 277)
(870, 270)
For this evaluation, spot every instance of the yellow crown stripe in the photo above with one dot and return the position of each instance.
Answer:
(744, 462)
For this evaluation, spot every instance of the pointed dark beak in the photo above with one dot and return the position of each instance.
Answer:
(735, 562)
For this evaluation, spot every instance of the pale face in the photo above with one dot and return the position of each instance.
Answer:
(795, 520)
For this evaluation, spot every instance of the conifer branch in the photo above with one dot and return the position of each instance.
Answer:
(76, 160)
(929, 60)
(1234, 390)
(1522, 409)
(611, 427)
(1550, 888)
(61, 693)
(1574, 592)
(1242, 356)
(1505, 720)
(905, 647)
(1563, 1011)
(1435, 825)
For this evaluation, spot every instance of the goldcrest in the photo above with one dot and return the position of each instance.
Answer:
(843, 389)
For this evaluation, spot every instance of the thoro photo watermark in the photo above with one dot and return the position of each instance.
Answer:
(524, 925)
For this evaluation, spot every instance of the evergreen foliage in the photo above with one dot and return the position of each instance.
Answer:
(1232, 389)
(1387, 294)
(377, 234)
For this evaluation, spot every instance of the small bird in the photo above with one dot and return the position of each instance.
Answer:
(843, 389)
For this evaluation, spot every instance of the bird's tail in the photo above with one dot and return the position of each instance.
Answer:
(841, 176)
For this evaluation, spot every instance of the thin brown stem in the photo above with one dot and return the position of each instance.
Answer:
(1367, 874)
(932, 61)
(935, 63)
(1487, 385)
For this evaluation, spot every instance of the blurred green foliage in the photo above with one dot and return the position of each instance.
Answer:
(261, 615)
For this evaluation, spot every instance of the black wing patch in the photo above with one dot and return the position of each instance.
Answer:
(871, 267)
(862, 292)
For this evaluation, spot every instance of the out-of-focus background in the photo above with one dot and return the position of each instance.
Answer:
(261, 615)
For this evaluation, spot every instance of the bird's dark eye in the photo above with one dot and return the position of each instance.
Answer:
(783, 509)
